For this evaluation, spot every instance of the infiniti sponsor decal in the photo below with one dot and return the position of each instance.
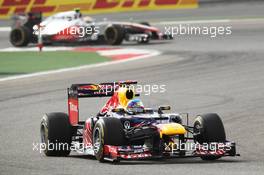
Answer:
(127, 124)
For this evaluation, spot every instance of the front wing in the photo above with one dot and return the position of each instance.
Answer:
(113, 153)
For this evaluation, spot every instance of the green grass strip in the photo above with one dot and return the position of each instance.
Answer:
(12, 63)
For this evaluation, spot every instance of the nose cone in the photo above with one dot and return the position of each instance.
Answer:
(171, 129)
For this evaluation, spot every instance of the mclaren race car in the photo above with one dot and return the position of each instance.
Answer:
(125, 129)
(72, 27)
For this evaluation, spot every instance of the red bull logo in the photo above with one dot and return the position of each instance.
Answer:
(93, 87)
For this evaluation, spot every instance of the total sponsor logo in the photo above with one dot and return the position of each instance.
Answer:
(127, 124)
(73, 107)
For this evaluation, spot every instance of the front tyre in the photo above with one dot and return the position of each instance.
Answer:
(114, 35)
(98, 141)
(107, 131)
(56, 134)
(209, 128)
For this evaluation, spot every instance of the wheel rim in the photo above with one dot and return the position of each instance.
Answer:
(97, 140)
(197, 132)
(44, 136)
(197, 128)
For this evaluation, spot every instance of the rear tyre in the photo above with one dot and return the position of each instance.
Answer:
(107, 131)
(56, 134)
(209, 128)
(20, 36)
(114, 35)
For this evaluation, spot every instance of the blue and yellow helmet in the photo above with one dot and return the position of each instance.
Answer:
(135, 106)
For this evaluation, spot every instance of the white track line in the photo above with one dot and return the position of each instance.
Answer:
(153, 53)
(124, 51)
(5, 29)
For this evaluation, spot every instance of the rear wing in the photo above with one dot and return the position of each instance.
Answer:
(97, 90)
(89, 90)
(26, 19)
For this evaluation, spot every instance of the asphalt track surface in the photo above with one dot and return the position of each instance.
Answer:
(201, 74)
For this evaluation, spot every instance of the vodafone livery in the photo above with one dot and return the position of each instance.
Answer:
(125, 129)
(72, 27)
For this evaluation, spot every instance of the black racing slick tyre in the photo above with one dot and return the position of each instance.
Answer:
(209, 128)
(56, 134)
(114, 35)
(20, 36)
(107, 131)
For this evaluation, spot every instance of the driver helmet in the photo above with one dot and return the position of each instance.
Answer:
(135, 106)
(88, 19)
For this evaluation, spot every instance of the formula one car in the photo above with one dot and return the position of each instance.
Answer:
(72, 27)
(125, 129)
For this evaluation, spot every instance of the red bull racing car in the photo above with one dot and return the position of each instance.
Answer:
(72, 27)
(125, 129)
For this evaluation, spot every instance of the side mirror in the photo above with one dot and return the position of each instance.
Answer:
(118, 110)
(163, 108)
